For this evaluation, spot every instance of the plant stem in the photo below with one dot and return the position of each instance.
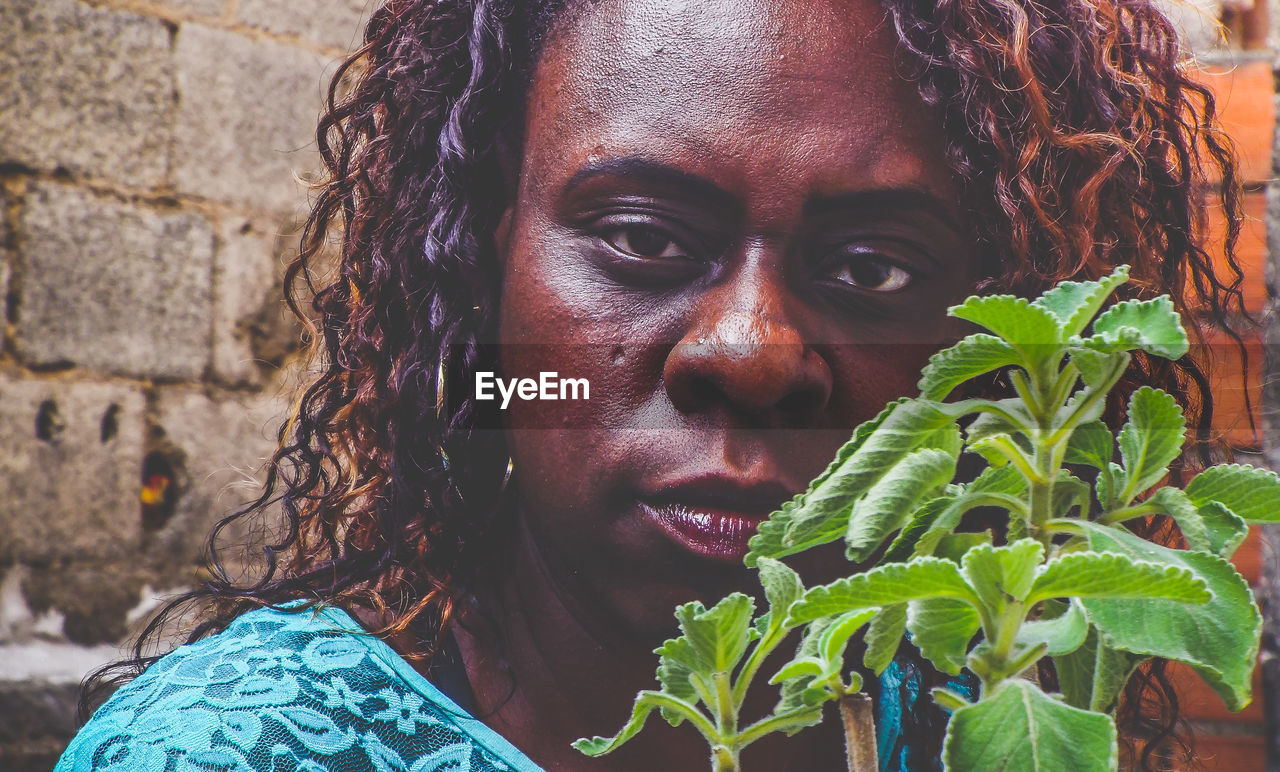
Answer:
(859, 733)
(724, 759)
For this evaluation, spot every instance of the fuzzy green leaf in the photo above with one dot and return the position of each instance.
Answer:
(1226, 530)
(942, 629)
(1113, 575)
(925, 536)
(1062, 633)
(1151, 325)
(768, 539)
(1019, 727)
(677, 662)
(883, 636)
(887, 506)
(1173, 502)
(883, 586)
(971, 357)
(1075, 303)
(1219, 639)
(813, 676)
(782, 587)
(1093, 676)
(1248, 491)
(718, 635)
(821, 515)
(1090, 444)
(646, 702)
(1094, 366)
(987, 424)
(1033, 331)
(1151, 439)
(799, 673)
(997, 573)
(1070, 491)
(922, 519)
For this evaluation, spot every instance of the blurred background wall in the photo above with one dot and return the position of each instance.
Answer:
(153, 161)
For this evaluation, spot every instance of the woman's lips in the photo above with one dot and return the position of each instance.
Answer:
(713, 518)
(713, 533)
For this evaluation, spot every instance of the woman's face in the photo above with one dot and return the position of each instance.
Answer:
(734, 219)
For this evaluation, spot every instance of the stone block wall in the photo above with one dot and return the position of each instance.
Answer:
(154, 160)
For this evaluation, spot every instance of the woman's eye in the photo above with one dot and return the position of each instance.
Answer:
(872, 275)
(644, 242)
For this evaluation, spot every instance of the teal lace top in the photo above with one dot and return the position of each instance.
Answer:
(310, 691)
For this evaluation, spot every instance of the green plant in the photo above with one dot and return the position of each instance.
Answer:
(1065, 580)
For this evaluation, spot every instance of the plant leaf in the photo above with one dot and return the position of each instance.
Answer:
(986, 424)
(1000, 572)
(883, 586)
(942, 629)
(1033, 331)
(926, 536)
(883, 636)
(1090, 444)
(1070, 491)
(821, 514)
(888, 504)
(782, 587)
(971, 357)
(1093, 365)
(1019, 727)
(1074, 303)
(719, 635)
(1248, 491)
(1151, 439)
(1151, 325)
(1093, 676)
(677, 661)
(1219, 639)
(1063, 633)
(922, 520)
(1113, 575)
(1174, 503)
(1226, 530)
(646, 702)
(768, 539)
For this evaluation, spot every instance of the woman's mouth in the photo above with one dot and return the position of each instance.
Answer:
(714, 533)
(713, 517)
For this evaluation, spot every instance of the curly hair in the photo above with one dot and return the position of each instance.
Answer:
(1077, 136)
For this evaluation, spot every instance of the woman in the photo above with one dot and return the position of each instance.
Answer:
(741, 224)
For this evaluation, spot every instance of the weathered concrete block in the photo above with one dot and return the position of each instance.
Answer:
(1197, 22)
(337, 23)
(253, 330)
(70, 455)
(113, 287)
(247, 119)
(221, 446)
(197, 7)
(87, 89)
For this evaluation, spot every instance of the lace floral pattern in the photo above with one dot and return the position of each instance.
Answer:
(307, 691)
(286, 692)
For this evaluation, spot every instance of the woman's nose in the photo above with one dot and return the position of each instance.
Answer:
(742, 350)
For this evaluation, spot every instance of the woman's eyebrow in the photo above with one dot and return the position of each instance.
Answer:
(904, 198)
(647, 170)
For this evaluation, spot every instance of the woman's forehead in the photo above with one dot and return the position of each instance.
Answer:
(789, 87)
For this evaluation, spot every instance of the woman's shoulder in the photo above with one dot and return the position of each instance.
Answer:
(297, 689)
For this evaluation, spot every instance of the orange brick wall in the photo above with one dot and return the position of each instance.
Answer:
(1235, 742)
